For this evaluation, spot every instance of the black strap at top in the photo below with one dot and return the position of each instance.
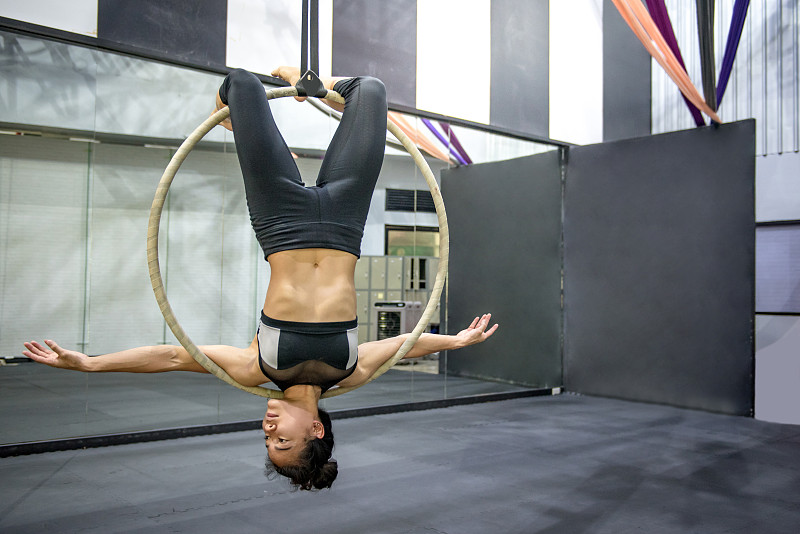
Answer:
(705, 33)
(309, 83)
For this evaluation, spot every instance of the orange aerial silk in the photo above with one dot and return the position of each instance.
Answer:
(420, 140)
(642, 24)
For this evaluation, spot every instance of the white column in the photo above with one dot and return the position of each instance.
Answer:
(454, 58)
(263, 35)
(576, 71)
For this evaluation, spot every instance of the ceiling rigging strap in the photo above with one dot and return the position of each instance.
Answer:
(310, 84)
(705, 32)
(658, 10)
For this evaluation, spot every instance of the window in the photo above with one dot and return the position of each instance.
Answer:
(412, 241)
(410, 200)
(778, 268)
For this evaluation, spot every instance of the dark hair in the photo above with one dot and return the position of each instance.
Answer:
(315, 469)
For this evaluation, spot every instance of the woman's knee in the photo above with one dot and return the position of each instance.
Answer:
(365, 87)
(371, 84)
(372, 88)
(238, 78)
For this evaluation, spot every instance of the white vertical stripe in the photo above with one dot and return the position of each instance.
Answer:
(264, 35)
(325, 37)
(576, 71)
(76, 16)
(454, 58)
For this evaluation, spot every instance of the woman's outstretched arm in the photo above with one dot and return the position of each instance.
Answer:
(155, 359)
(239, 363)
(373, 354)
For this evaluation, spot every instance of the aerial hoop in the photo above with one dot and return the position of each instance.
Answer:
(155, 268)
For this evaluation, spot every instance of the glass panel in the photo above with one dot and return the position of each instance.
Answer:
(75, 195)
(42, 272)
(46, 84)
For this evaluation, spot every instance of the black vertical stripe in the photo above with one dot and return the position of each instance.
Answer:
(187, 30)
(626, 79)
(520, 66)
(378, 39)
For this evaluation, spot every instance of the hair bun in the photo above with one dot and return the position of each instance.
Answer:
(326, 475)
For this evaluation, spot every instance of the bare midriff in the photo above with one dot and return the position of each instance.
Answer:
(313, 285)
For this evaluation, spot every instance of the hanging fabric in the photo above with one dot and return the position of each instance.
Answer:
(640, 21)
(455, 142)
(444, 141)
(658, 10)
(731, 46)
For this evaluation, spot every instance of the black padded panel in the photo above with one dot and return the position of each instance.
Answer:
(505, 258)
(626, 79)
(659, 269)
(378, 39)
(521, 66)
(187, 30)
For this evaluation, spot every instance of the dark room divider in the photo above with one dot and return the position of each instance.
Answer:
(657, 250)
(659, 277)
(505, 258)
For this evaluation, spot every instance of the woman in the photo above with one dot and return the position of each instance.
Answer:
(311, 237)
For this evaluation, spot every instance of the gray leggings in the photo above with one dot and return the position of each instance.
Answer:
(286, 214)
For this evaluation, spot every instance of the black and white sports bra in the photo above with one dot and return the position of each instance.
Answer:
(319, 354)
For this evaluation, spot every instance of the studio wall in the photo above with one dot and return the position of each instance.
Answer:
(659, 278)
(658, 268)
(505, 259)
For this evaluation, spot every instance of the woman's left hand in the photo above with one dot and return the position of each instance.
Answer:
(476, 332)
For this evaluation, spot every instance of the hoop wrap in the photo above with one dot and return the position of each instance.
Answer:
(155, 268)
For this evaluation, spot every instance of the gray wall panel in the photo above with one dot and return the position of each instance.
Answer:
(659, 269)
(188, 30)
(520, 66)
(505, 229)
(378, 39)
(626, 79)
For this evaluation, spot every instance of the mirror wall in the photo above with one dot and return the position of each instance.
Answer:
(86, 135)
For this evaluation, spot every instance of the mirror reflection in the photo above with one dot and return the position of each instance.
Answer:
(87, 136)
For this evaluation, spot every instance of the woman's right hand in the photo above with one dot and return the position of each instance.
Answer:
(55, 356)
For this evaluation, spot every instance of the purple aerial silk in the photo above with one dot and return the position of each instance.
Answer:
(444, 141)
(454, 140)
(734, 34)
(658, 10)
